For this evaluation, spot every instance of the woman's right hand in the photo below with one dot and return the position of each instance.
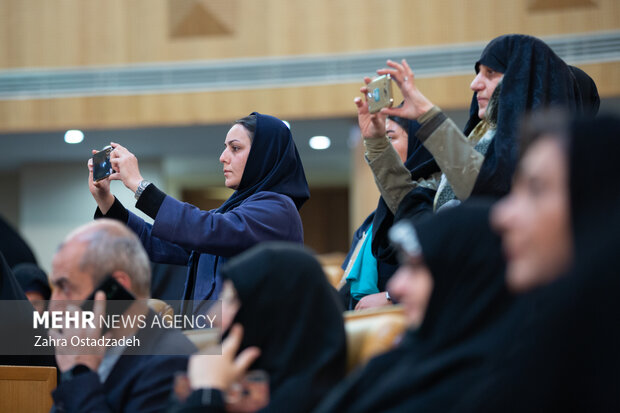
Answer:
(100, 190)
(221, 371)
(372, 125)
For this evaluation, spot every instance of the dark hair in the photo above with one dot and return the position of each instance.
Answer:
(543, 123)
(402, 122)
(249, 123)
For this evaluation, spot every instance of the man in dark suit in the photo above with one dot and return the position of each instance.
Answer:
(113, 378)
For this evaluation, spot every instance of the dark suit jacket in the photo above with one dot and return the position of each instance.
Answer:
(137, 383)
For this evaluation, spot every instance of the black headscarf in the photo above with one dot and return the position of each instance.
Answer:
(17, 326)
(9, 286)
(594, 148)
(534, 77)
(590, 100)
(13, 246)
(32, 278)
(567, 358)
(435, 364)
(291, 312)
(592, 298)
(273, 165)
(421, 164)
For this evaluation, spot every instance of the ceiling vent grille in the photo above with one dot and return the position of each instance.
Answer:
(235, 74)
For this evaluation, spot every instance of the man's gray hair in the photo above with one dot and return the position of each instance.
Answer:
(111, 246)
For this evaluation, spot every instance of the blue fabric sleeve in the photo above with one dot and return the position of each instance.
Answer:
(159, 250)
(264, 216)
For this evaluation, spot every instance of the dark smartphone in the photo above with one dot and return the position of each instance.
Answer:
(102, 167)
(118, 299)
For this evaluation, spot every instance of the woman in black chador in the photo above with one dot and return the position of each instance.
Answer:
(438, 361)
(290, 312)
(560, 351)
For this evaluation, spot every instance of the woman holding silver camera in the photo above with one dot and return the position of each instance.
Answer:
(515, 73)
(260, 161)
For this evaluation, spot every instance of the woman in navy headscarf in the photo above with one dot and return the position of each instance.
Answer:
(260, 162)
(515, 73)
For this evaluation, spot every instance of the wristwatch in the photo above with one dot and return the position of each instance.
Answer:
(141, 187)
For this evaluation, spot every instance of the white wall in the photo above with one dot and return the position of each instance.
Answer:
(54, 199)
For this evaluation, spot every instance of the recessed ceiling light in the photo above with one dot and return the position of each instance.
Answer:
(74, 136)
(320, 142)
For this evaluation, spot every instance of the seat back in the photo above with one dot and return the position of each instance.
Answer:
(331, 264)
(160, 307)
(26, 388)
(372, 332)
(204, 338)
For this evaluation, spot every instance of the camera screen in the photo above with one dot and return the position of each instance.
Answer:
(102, 168)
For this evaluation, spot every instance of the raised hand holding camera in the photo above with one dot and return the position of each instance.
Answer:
(100, 189)
(372, 125)
(125, 164)
(415, 103)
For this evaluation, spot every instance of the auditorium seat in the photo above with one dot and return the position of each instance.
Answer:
(371, 332)
(204, 338)
(26, 388)
(331, 266)
(160, 307)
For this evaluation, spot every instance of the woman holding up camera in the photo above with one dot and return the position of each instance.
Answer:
(515, 74)
(260, 161)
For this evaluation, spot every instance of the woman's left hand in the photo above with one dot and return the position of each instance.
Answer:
(373, 300)
(125, 165)
(415, 103)
(221, 371)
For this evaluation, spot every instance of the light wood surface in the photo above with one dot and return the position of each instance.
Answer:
(77, 33)
(60, 33)
(26, 388)
(372, 332)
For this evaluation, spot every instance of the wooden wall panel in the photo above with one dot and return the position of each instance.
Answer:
(65, 33)
(59, 33)
(325, 217)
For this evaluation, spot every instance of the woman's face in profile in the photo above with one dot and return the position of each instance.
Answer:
(411, 286)
(235, 155)
(534, 219)
(484, 85)
(398, 138)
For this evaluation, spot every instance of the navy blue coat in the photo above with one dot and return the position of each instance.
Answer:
(203, 240)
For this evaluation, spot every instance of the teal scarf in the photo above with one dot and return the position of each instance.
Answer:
(363, 276)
